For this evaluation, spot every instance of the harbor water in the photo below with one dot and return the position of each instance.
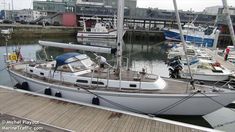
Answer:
(137, 55)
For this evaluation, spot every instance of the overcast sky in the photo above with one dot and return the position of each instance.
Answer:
(196, 5)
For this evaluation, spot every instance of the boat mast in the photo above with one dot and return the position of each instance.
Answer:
(182, 39)
(114, 22)
(229, 21)
(7, 35)
(120, 15)
(84, 25)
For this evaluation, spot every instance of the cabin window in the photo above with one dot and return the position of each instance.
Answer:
(31, 70)
(99, 83)
(82, 81)
(133, 85)
(32, 65)
(217, 71)
(41, 73)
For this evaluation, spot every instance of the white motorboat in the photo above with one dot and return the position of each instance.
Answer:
(99, 31)
(202, 65)
(191, 50)
(207, 70)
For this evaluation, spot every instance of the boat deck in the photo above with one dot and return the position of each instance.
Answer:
(76, 117)
(172, 86)
(101, 73)
(127, 75)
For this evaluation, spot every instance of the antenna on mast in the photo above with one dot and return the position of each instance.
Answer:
(183, 41)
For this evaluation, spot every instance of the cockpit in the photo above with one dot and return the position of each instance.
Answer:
(73, 62)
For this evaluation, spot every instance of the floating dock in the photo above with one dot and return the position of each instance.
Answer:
(52, 114)
(220, 59)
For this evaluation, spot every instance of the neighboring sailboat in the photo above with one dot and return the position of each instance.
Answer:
(76, 77)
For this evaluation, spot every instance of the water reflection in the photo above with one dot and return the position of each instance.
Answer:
(28, 41)
(150, 56)
(97, 41)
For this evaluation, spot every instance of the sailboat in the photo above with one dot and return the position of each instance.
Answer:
(76, 77)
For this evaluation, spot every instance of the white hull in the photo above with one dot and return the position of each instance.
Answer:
(136, 102)
(98, 41)
(109, 35)
(205, 77)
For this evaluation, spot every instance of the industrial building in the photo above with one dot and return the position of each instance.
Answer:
(71, 12)
(108, 8)
(25, 15)
(213, 10)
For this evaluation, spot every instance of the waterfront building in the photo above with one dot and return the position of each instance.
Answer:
(221, 22)
(109, 3)
(55, 6)
(38, 14)
(221, 17)
(25, 15)
(28, 15)
(7, 15)
(213, 10)
(134, 16)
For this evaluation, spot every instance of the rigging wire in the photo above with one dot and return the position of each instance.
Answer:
(167, 108)
(3, 69)
(215, 100)
(176, 103)
(114, 103)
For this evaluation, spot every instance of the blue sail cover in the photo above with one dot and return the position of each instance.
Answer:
(61, 59)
